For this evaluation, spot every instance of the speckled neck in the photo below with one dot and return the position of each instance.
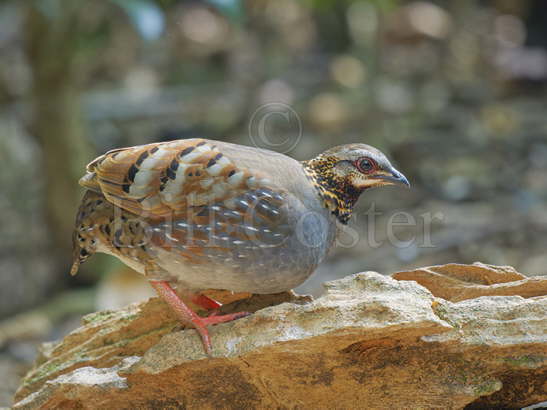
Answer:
(337, 194)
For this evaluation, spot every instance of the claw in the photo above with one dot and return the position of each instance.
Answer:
(201, 327)
(187, 315)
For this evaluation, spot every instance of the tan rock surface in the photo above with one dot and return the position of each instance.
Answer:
(369, 342)
(457, 282)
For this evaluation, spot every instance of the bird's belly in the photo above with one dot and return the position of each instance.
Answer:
(261, 279)
(269, 270)
(254, 267)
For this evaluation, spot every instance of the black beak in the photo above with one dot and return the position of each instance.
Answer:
(395, 178)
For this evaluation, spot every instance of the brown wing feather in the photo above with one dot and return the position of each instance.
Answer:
(162, 179)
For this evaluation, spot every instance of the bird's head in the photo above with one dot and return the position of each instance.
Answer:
(341, 174)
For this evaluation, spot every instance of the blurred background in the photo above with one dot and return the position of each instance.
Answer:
(453, 91)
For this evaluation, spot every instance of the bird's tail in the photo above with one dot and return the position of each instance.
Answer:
(83, 242)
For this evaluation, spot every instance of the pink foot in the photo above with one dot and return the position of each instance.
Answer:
(202, 323)
(187, 315)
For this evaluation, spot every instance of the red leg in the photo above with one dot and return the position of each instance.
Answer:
(187, 315)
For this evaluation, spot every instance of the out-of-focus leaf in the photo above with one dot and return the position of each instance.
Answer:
(147, 17)
(231, 9)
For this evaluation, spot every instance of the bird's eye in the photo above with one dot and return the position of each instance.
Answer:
(365, 165)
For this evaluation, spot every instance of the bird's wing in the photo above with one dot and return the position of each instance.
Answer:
(162, 179)
(190, 193)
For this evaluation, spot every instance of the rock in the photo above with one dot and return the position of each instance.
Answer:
(370, 341)
(457, 282)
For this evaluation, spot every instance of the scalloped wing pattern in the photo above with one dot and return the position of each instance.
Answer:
(159, 180)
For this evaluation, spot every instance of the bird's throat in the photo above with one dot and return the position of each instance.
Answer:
(337, 194)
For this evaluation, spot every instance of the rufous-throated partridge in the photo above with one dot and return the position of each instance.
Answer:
(200, 214)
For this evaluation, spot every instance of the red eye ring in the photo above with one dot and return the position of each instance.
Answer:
(365, 165)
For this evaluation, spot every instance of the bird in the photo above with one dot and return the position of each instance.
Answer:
(197, 214)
